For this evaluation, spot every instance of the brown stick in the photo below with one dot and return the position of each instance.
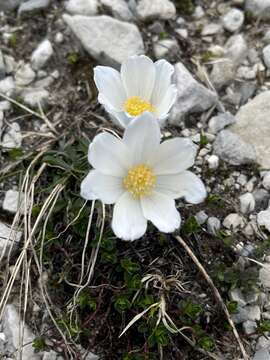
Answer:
(216, 293)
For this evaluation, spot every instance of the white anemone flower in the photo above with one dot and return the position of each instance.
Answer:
(140, 86)
(142, 177)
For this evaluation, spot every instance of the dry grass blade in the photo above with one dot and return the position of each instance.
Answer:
(216, 293)
(138, 316)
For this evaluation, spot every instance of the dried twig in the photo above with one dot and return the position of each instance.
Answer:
(216, 293)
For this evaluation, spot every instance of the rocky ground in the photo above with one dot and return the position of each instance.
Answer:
(48, 115)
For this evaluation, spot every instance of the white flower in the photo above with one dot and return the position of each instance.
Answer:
(140, 86)
(142, 177)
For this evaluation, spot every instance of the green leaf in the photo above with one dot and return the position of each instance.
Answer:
(86, 301)
(264, 326)
(191, 309)
(122, 303)
(39, 343)
(159, 337)
(130, 266)
(191, 226)
(232, 307)
(207, 343)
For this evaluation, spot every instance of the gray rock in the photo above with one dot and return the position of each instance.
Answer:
(258, 8)
(42, 54)
(12, 138)
(264, 275)
(262, 354)
(211, 29)
(255, 132)
(213, 162)
(165, 48)
(201, 217)
(240, 316)
(119, 9)
(11, 328)
(247, 90)
(82, 7)
(198, 13)
(266, 180)
(13, 201)
(262, 198)
(247, 73)
(220, 121)
(100, 37)
(24, 75)
(193, 97)
(8, 237)
(233, 221)
(249, 327)
(182, 33)
(232, 149)
(237, 295)
(266, 38)
(247, 203)
(7, 86)
(263, 342)
(2, 66)
(155, 9)
(253, 312)
(10, 64)
(263, 219)
(9, 5)
(51, 355)
(213, 225)
(233, 20)
(33, 5)
(266, 56)
(235, 52)
(35, 96)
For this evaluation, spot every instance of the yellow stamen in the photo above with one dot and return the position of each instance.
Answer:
(140, 180)
(135, 106)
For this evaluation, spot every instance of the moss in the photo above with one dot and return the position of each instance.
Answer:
(185, 7)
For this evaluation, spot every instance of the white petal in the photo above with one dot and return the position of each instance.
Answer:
(138, 76)
(174, 156)
(161, 211)
(185, 184)
(111, 91)
(104, 187)
(142, 137)
(166, 102)
(120, 118)
(128, 221)
(109, 155)
(164, 72)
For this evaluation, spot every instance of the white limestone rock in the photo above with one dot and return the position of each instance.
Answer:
(13, 201)
(82, 7)
(11, 328)
(119, 9)
(42, 54)
(155, 9)
(33, 5)
(12, 139)
(8, 237)
(24, 75)
(247, 203)
(252, 126)
(107, 40)
(192, 97)
(263, 219)
(233, 20)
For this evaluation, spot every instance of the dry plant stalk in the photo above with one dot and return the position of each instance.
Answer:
(216, 293)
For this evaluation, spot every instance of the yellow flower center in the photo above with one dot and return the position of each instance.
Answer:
(140, 180)
(135, 106)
